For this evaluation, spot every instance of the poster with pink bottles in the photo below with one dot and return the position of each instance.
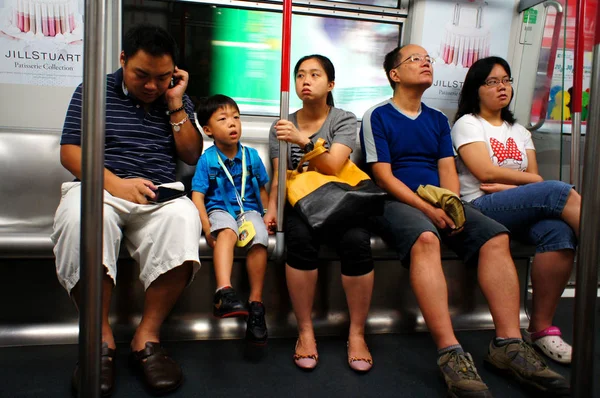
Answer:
(41, 42)
(458, 33)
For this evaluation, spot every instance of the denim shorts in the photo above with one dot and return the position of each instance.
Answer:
(401, 225)
(532, 213)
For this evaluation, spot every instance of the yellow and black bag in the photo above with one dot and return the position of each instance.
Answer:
(332, 199)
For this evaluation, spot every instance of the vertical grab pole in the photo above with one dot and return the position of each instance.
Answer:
(284, 110)
(576, 99)
(582, 375)
(117, 32)
(92, 195)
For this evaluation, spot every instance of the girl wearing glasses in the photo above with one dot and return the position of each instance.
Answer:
(498, 173)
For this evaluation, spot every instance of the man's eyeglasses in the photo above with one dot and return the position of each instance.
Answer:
(507, 81)
(419, 58)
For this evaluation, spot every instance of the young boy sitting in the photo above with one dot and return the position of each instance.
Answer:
(228, 189)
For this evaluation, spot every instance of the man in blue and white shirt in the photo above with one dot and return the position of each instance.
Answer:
(149, 125)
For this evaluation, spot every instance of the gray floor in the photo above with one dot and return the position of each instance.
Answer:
(404, 366)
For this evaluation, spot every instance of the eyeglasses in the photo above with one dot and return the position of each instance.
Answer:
(493, 82)
(418, 58)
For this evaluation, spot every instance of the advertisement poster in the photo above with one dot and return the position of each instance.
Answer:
(560, 105)
(41, 42)
(458, 33)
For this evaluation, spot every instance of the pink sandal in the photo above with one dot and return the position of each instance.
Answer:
(305, 362)
(361, 365)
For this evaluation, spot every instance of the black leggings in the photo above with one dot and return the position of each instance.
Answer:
(352, 244)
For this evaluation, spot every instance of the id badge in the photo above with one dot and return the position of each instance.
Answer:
(246, 233)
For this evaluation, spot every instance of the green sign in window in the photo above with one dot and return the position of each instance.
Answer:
(530, 16)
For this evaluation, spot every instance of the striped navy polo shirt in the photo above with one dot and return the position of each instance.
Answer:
(137, 144)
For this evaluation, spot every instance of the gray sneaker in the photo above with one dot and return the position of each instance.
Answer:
(461, 376)
(520, 361)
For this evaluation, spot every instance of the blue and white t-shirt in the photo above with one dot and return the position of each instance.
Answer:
(411, 145)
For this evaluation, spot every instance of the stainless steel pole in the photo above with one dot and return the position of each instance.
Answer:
(574, 175)
(116, 32)
(92, 193)
(286, 36)
(576, 102)
(582, 375)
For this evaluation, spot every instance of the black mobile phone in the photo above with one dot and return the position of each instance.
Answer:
(164, 194)
(174, 81)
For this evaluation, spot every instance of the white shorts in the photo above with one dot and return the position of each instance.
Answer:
(159, 237)
(220, 219)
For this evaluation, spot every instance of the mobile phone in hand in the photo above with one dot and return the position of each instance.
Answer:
(174, 81)
(165, 193)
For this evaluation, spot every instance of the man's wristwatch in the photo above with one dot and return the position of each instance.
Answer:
(308, 147)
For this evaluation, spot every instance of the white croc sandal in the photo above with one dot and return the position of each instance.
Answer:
(550, 342)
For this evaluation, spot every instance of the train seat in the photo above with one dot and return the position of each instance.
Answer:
(32, 174)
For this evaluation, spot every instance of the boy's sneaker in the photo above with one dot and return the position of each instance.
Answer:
(227, 304)
(256, 328)
(461, 376)
(520, 361)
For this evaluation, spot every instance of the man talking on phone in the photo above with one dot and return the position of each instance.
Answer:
(149, 125)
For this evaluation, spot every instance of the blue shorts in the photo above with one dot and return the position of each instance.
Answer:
(532, 213)
(401, 225)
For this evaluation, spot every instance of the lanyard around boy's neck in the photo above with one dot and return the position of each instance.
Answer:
(239, 198)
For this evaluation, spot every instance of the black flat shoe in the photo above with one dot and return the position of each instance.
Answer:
(160, 373)
(107, 372)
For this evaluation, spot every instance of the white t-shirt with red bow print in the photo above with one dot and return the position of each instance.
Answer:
(506, 144)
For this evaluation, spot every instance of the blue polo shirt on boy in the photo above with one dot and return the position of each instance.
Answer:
(138, 143)
(411, 145)
(213, 198)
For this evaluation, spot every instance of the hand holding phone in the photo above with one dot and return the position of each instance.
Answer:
(166, 192)
(177, 87)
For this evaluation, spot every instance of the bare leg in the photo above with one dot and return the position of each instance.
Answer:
(549, 275)
(429, 284)
(500, 285)
(571, 212)
(359, 290)
(256, 264)
(107, 288)
(160, 298)
(301, 286)
(223, 256)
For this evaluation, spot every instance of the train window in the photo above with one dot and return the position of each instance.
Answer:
(380, 3)
(237, 52)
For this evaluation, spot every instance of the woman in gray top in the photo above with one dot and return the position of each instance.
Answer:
(314, 75)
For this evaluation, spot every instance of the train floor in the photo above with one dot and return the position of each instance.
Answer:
(404, 366)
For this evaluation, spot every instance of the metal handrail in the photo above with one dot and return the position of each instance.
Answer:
(550, 68)
(586, 284)
(576, 98)
(92, 188)
(525, 4)
(284, 110)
